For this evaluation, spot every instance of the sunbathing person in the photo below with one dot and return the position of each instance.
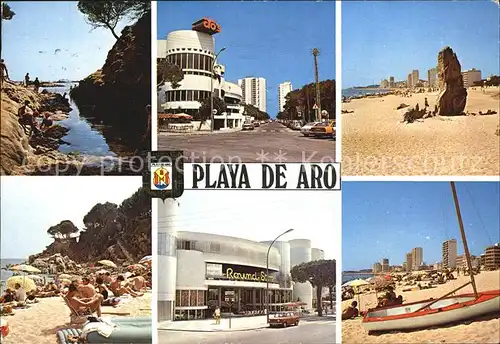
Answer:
(119, 287)
(138, 283)
(86, 289)
(93, 304)
(351, 311)
(7, 296)
(20, 294)
(104, 291)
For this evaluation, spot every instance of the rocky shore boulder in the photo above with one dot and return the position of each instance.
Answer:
(54, 264)
(117, 94)
(453, 96)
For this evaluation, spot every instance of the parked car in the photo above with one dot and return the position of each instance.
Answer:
(248, 126)
(295, 125)
(325, 129)
(284, 319)
(305, 130)
(256, 124)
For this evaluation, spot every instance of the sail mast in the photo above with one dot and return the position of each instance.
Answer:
(464, 239)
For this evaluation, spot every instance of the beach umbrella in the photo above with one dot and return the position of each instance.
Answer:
(64, 276)
(35, 277)
(107, 263)
(65, 280)
(358, 283)
(146, 259)
(27, 283)
(25, 268)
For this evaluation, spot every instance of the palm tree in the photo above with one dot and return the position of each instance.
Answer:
(7, 14)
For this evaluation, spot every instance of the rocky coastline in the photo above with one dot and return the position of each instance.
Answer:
(117, 94)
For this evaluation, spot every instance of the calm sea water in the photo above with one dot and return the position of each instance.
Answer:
(5, 274)
(82, 136)
(349, 277)
(352, 92)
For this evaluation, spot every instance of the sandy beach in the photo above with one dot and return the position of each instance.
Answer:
(375, 142)
(484, 330)
(40, 322)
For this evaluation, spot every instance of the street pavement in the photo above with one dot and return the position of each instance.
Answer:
(272, 143)
(308, 332)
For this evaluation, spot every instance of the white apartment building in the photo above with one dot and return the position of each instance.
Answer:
(449, 254)
(283, 89)
(417, 256)
(254, 92)
(193, 51)
(471, 76)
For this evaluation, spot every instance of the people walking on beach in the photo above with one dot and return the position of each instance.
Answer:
(27, 79)
(426, 104)
(217, 315)
(4, 72)
(36, 83)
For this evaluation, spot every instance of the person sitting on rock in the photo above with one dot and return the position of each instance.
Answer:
(351, 311)
(26, 118)
(46, 122)
(119, 287)
(36, 83)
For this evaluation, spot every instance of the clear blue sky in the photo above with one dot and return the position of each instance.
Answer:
(388, 219)
(30, 205)
(391, 38)
(272, 40)
(39, 28)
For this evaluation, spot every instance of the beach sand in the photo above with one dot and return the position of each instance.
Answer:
(483, 330)
(374, 142)
(40, 322)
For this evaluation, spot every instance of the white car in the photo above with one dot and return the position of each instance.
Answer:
(305, 130)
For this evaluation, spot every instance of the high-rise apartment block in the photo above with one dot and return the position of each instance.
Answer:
(450, 254)
(254, 92)
(283, 89)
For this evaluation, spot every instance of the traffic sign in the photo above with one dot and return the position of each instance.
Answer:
(315, 107)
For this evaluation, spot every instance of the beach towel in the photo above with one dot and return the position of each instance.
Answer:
(103, 327)
(64, 335)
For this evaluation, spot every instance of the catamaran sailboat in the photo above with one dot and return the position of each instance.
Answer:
(444, 310)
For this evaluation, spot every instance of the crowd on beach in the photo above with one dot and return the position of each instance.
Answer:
(87, 293)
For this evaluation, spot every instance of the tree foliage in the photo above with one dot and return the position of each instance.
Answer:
(299, 103)
(63, 230)
(7, 14)
(253, 111)
(204, 111)
(108, 14)
(168, 72)
(320, 273)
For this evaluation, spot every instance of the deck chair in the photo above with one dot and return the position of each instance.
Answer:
(77, 317)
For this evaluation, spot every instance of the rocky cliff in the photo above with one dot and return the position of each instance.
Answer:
(20, 154)
(118, 93)
(453, 95)
(120, 233)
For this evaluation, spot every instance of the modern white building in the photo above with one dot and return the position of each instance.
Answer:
(471, 76)
(194, 52)
(197, 272)
(254, 92)
(283, 89)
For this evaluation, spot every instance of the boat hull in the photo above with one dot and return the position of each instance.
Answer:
(448, 310)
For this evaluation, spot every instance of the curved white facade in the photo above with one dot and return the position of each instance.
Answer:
(194, 52)
(301, 252)
(190, 270)
(317, 254)
(167, 257)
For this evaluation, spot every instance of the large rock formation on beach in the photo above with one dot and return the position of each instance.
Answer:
(17, 150)
(453, 95)
(117, 94)
(120, 233)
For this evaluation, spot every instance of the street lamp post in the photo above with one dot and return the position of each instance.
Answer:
(267, 271)
(212, 90)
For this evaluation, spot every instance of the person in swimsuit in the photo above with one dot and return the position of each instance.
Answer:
(104, 291)
(119, 287)
(93, 304)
